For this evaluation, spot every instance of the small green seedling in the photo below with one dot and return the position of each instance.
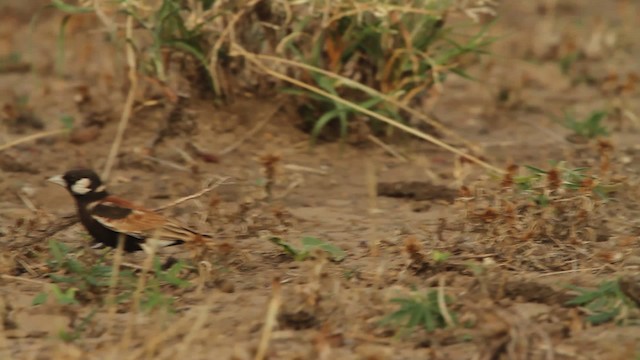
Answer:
(309, 245)
(67, 121)
(63, 297)
(589, 128)
(419, 310)
(440, 256)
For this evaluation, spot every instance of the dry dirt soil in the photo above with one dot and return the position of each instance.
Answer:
(510, 262)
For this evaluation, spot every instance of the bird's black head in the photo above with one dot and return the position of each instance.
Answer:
(83, 184)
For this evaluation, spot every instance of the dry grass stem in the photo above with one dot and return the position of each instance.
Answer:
(23, 279)
(442, 303)
(128, 105)
(255, 60)
(113, 282)
(155, 339)
(571, 271)
(150, 250)
(357, 85)
(270, 319)
(301, 168)
(32, 138)
(4, 345)
(167, 163)
(27, 202)
(371, 179)
(201, 318)
(387, 148)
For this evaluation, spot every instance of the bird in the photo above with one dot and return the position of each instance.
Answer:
(107, 217)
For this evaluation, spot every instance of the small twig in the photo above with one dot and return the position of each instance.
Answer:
(167, 163)
(292, 186)
(27, 202)
(132, 266)
(370, 338)
(442, 303)
(253, 131)
(128, 105)
(270, 319)
(18, 278)
(65, 222)
(569, 271)
(25, 265)
(221, 181)
(31, 138)
(187, 158)
(294, 167)
(387, 148)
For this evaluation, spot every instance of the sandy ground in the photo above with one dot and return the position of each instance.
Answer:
(329, 309)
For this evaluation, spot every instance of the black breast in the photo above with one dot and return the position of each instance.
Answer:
(104, 235)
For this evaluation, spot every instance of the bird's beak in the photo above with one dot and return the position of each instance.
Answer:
(58, 180)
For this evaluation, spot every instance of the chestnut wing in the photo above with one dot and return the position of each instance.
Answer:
(140, 223)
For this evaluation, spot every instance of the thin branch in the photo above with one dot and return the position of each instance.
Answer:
(221, 181)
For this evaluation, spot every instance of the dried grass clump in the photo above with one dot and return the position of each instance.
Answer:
(547, 220)
(399, 49)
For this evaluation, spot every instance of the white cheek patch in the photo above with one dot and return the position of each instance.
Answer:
(81, 186)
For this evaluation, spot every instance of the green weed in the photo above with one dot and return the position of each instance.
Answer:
(590, 127)
(308, 246)
(75, 282)
(419, 310)
(440, 256)
(604, 304)
(401, 54)
(537, 181)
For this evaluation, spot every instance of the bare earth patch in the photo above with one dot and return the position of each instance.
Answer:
(510, 251)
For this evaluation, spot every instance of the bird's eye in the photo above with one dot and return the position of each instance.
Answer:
(81, 186)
